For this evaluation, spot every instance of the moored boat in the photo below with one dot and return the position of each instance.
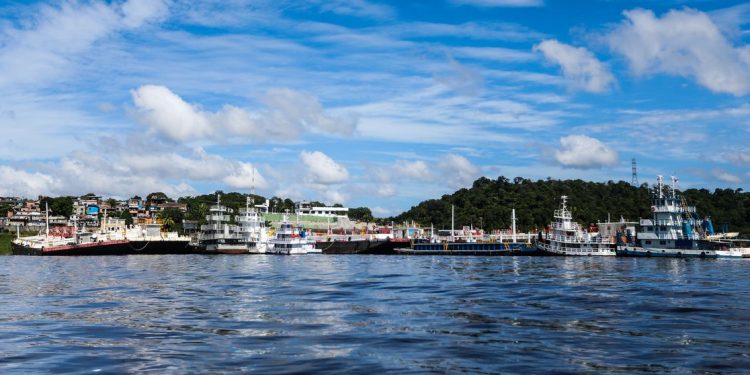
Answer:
(218, 235)
(290, 240)
(566, 237)
(676, 230)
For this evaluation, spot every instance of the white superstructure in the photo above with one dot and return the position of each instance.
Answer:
(290, 240)
(566, 237)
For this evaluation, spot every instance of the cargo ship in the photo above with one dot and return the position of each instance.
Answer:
(361, 246)
(139, 239)
(474, 244)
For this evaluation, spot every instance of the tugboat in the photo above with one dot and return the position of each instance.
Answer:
(291, 240)
(218, 235)
(675, 230)
(565, 237)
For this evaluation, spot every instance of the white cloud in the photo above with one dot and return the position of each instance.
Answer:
(322, 170)
(725, 176)
(738, 157)
(334, 196)
(457, 171)
(500, 3)
(288, 115)
(48, 45)
(167, 114)
(138, 12)
(685, 43)
(580, 151)
(358, 8)
(417, 170)
(15, 182)
(580, 67)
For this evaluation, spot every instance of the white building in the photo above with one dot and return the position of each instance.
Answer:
(304, 208)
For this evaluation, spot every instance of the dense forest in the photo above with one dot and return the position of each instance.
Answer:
(488, 204)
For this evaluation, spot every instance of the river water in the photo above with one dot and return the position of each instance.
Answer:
(373, 314)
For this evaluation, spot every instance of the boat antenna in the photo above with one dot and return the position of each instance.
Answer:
(513, 220)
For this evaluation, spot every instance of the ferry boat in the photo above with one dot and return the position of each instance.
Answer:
(219, 235)
(291, 240)
(252, 229)
(566, 237)
(675, 230)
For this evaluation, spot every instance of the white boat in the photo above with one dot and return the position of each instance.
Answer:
(290, 240)
(219, 235)
(566, 237)
(675, 230)
(253, 229)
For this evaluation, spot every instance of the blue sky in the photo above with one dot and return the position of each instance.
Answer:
(365, 102)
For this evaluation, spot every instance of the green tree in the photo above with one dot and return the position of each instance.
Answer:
(171, 218)
(361, 214)
(125, 214)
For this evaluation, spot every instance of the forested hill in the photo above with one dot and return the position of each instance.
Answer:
(489, 202)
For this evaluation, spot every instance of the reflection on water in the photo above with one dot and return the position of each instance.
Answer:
(179, 314)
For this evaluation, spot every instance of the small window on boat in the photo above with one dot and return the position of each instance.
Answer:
(648, 242)
(662, 242)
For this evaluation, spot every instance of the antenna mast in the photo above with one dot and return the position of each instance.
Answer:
(634, 177)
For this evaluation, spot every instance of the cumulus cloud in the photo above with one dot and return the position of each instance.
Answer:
(684, 43)
(45, 47)
(287, 116)
(500, 3)
(725, 176)
(417, 170)
(132, 168)
(583, 152)
(451, 170)
(14, 182)
(321, 169)
(581, 69)
(457, 171)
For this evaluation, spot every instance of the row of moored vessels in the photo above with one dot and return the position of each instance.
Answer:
(250, 235)
(674, 230)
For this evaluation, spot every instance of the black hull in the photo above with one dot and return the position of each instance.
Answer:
(360, 247)
(473, 249)
(134, 247)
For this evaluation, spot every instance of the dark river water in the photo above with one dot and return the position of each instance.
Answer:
(373, 314)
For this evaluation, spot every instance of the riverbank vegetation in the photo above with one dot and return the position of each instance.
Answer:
(488, 204)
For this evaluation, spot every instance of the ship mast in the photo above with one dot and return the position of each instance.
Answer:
(513, 220)
(453, 223)
(46, 208)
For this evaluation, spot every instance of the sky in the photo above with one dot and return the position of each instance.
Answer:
(369, 102)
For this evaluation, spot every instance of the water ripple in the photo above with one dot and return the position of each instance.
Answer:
(384, 314)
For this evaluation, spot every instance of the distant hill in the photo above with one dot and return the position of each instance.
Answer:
(489, 202)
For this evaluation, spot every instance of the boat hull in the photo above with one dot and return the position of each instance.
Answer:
(634, 251)
(383, 247)
(478, 249)
(107, 248)
(548, 247)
